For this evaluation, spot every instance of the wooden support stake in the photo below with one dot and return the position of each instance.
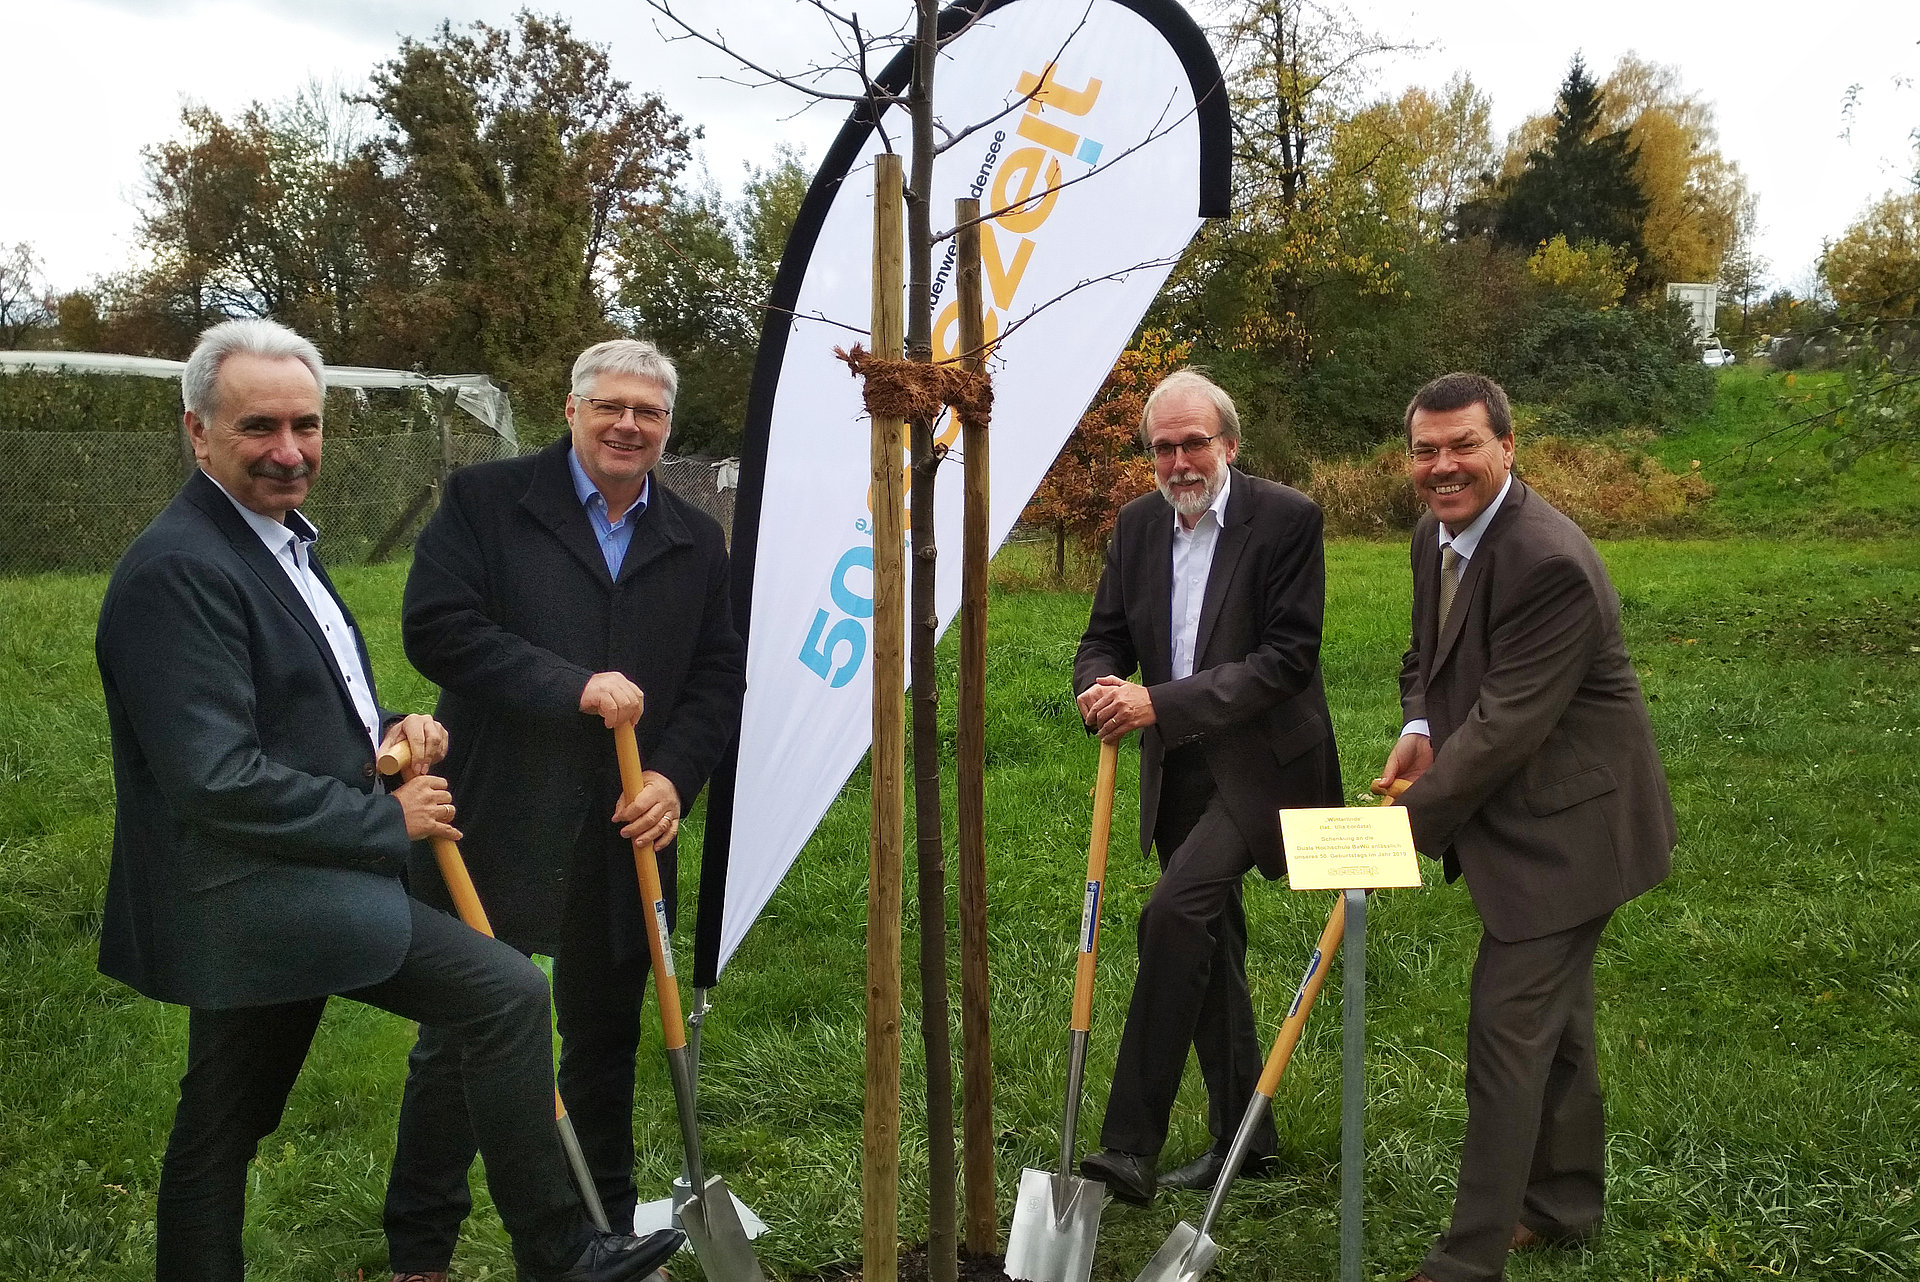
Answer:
(976, 1041)
(886, 843)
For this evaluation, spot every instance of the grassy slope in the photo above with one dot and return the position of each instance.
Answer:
(1774, 479)
(1759, 1023)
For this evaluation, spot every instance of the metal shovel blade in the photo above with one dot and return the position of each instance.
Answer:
(1052, 1238)
(1184, 1256)
(719, 1240)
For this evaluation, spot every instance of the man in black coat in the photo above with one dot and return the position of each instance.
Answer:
(1214, 589)
(546, 594)
(257, 863)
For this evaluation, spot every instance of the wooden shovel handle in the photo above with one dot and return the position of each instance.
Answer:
(1095, 888)
(1388, 791)
(466, 902)
(653, 905)
(1296, 1021)
(395, 759)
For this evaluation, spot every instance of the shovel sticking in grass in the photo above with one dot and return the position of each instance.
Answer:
(1056, 1217)
(1188, 1252)
(709, 1218)
(466, 902)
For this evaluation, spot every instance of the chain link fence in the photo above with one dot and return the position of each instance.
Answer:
(698, 482)
(87, 459)
(72, 501)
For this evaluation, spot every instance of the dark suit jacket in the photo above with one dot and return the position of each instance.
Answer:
(253, 860)
(1546, 789)
(1254, 704)
(510, 609)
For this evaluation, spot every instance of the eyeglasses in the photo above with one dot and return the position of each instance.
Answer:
(1194, 445)
(1461, 451)
(614, 411)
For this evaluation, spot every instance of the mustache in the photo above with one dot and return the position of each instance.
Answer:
(280, 471)
(1186, 478)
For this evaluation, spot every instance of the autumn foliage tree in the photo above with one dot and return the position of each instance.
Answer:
(1102, 466)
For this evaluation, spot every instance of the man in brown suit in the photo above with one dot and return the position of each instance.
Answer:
(1536, 777)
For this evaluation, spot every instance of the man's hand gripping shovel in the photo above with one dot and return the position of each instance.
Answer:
(466, 902)
(711, 1222)
(1056, 1217)
(1189, 1252)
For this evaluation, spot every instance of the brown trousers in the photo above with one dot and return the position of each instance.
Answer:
(1535, 1148)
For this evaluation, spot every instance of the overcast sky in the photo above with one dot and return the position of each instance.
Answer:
(88, 83)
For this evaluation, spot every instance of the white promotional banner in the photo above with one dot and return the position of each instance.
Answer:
(1092, 152)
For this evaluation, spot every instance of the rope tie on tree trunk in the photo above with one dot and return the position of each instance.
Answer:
(916, 392)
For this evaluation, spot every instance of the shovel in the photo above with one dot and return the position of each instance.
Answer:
(1188, 1252)
(711, 1222)
(466, 901)
(1056, 1216)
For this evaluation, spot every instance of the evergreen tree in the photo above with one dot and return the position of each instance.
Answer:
(1580, 184)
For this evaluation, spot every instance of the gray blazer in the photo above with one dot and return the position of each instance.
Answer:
(1254, 704)
(253, 859)
(1546, 788)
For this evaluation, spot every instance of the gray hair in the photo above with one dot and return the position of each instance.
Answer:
(632, 356)
(200, 380)
(1193, 379)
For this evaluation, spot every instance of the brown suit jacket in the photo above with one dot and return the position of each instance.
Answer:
(1254, 703)
(1546, 789)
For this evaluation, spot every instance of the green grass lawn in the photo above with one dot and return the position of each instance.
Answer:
(1774, 477)
(1760, 1012)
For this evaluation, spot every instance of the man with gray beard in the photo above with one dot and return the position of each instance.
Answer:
(1213, 591)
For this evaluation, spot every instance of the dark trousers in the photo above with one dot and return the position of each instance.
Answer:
(1535, 1148)
(1191, 989)
(597, 992)
(242, 1063)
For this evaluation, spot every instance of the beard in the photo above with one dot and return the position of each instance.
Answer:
(1192, 503)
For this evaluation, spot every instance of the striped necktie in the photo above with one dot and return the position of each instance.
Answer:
(1449, 582)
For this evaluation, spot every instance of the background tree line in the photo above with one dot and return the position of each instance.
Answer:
(494, 199)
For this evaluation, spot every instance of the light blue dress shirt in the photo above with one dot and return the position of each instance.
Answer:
(613, 536)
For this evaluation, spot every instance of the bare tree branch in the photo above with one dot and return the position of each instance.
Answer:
(871, 92)
(1161, 128)
(1025, 98)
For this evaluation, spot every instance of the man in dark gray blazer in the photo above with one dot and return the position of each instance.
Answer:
(257, 864)
(546, 594)
(1535, 776)
(1213, 590)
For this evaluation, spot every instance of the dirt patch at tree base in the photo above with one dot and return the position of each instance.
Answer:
(913, 1268)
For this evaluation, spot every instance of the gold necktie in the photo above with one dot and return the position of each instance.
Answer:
(1449, 582)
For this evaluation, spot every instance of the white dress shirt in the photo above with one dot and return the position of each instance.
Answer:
(1463, 544)
(1192, 562)
(291, 546)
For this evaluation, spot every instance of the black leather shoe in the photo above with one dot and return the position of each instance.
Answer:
(1128, 1176)
(616, 1257)
(1203, 1172)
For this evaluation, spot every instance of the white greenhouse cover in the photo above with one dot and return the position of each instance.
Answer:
(477, 394)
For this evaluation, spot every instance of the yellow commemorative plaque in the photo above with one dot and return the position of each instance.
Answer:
(1340, 848)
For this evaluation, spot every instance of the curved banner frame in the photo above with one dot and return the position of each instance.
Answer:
(1108, 142)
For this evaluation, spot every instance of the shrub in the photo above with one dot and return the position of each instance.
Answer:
(1598, 371)
(1367, 497)
(1609, 491)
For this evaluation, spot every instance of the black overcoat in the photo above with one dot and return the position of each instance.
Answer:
(509, 609)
